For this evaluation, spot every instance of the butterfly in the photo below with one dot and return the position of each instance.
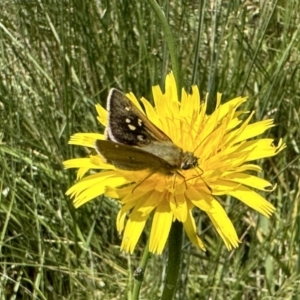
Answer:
(134, 143)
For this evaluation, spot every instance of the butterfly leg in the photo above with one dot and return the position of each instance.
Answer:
(199, 175)
(148, 176)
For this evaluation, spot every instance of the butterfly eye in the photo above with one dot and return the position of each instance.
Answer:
(185, 166)
(189, 161)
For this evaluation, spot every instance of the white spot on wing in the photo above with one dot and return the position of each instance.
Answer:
(131, 127)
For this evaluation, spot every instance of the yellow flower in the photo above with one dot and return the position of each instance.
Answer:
(224, 145)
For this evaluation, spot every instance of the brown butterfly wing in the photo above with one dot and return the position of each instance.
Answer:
(131, 158)
(128, 125)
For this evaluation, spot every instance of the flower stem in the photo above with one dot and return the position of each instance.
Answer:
(175, 243)
(171, 44)
(139, 272)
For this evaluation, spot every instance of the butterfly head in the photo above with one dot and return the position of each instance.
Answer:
(189, 161)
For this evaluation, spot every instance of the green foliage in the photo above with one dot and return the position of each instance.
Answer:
(58, 59)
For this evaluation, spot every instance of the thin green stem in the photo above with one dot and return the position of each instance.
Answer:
(171, 44)
(139, 272)
(175, 245)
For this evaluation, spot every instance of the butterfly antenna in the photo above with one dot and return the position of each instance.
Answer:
(209, 188)
(199, 175)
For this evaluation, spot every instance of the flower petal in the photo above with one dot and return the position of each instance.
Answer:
(190, 229)
(250, 180)
(86, 139)
(102, 115)
(161, 225)
(253, 200)
(133, 230)
(93, 186)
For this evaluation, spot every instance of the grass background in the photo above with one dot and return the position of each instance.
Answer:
(58, 59)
